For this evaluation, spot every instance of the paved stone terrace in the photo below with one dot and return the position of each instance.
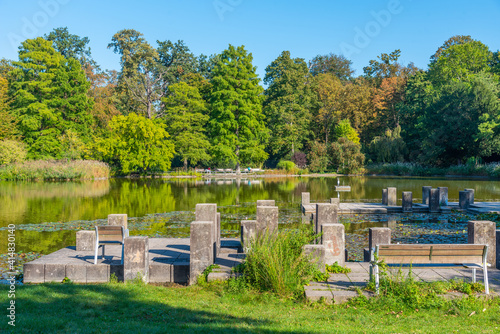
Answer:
(168, 263)
(341, 287)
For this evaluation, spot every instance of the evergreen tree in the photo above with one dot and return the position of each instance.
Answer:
(236, 119)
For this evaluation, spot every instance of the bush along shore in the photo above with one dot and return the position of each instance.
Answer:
(47, 170)
(412, 169)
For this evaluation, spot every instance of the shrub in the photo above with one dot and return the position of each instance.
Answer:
(12, 151)
(286, 165)
(318, 158)
(55, 170)
(299, 158)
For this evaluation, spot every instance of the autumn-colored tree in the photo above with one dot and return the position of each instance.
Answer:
(337, 65)
(387, 96)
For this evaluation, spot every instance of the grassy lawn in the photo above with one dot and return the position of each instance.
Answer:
(220, 308)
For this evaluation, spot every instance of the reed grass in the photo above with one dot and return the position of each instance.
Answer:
(46, 170)
(413, 169)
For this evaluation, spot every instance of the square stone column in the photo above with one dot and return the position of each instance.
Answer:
(118, 220)
(267, 218)
(266, 202)
(463, 200)
(443, 196)
(407, 201)
(207, 212)
(333, 239)
(434, 200)
(335, 201)
(316, 253)
(201, 249)
(325, 214)
(392, 196)
(498, 248)
(426, 193)
(218, 235)
(385, 197)
(85, 241)
(306, 198)
(248, 233)
(483, 232)
(376, 236)
(471, 195)
(136, 258)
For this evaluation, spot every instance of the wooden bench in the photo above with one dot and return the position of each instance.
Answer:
(432, 255)
(109, 234)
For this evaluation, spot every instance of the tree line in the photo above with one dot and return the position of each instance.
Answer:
(167, 107)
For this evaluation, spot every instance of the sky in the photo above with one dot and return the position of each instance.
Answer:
(360, 30)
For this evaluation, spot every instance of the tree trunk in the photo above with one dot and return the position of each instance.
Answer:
(185, 164)
(238, 171)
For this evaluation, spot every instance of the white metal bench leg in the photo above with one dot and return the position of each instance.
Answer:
(375, 269)
(96, 250)
(473, 275)
(486, 285)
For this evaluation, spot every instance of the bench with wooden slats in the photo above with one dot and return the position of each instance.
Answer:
(432, 255)
(108, 234)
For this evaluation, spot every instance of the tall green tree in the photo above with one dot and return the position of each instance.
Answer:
(69, 45)
(289, 98)
(49, 97)
(236, 120)
(186, 117)
(176, 60)
(337, 65)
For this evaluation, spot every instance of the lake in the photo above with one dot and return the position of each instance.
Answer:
(48, 214)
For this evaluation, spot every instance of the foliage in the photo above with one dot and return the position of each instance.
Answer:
(8, 126)
(299, 158)
(336, 268)
(12, 151)
(135, 144)
(287, 165)
(236, 120)
(337, 65)
(44, 170)
(203, 278)
(69, 45)
(318, 157)
(346, 156)
(388, 148)
(345, 130)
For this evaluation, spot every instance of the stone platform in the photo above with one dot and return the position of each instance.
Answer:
(341, 287)
(168, 263)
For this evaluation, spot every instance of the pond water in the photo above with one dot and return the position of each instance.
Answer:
(47, 214)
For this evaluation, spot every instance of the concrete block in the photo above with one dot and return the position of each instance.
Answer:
(85, 241)
(207, 212)
(366, 255)
(484, 232)
(463, 200)
(55, 272)
(77, 273)
(325, 214)
(248, 233)
(335, 201)
(392, 222)
(407, 201)
(119, 219)
(97, 273)
(267, 218)
(266, 202)
(34, 272)
(443, 196)
(498, 248)
(434, 200)
(201, 251)
(392, 196)
(218, 235)
(180, 272)
(316, 253)
(426, 193)
(160, 273)
(385, 197)
(333, 240)
(136, 258)
(306, 198)
(378, 236)
(471, 195)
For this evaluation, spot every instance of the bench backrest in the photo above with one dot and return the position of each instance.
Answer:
(432, 253)
(110, 233)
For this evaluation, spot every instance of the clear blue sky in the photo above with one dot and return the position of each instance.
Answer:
(361, 29)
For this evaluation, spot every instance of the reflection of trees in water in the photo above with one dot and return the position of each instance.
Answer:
(39, 242)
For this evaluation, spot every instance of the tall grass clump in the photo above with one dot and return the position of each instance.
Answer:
(46, 170)
(414, 169)
(276, 262)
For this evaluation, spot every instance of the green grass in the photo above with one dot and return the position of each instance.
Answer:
(47, 170)
(218, 308)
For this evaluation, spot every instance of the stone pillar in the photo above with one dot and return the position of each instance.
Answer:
(392, 222)
(218, 234)
(136, 258)
(443, 196)
(434, 200)
(201, 249)
(335, 201)
(316, 253)
(376, 236)
(267, 218)
(85, 241)
(407, 201)
(385, 197)
(333, 239)
(463, 200)
(207, 212)
(426, 192)
(266, 202)
(484, 232)
(471, 195)
(392, 196)
(498, 248)
(325, 214)
(118, 220)
(248, 233)
(306, 198)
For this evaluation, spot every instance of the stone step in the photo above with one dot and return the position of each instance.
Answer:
(314, 294)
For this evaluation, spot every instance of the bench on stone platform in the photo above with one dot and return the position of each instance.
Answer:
(432, 256)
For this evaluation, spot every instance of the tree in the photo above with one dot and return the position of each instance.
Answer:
(8, 125)
(345, 156)
(345, 130)
(135, 143)
(388, 148)
(454, 40)
(49, 97)
(337, 65)
(176, 60)
(236, 119)
(287, 104)
(69, 45)
(186, 117)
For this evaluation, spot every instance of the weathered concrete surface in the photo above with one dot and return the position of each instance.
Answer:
(426, 193)
(306, 198)
(463, 200)
(317, 255)
(118, 220)
(218, 235)
(98, 273)
(267, 218)
(85, 240)
(136, 258)
(248, 233)
(376, 236)
(434, 200)
(207, 212)
(471, 195)
(335, 201)
(76, 273)
(407, 204)
(385, 197)
(392, 196)
(498, 248)
(483, 232)
(201, 251)
(266, 202)
(34, 272)
(326, 213)
(443, 196)
(333, 240)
